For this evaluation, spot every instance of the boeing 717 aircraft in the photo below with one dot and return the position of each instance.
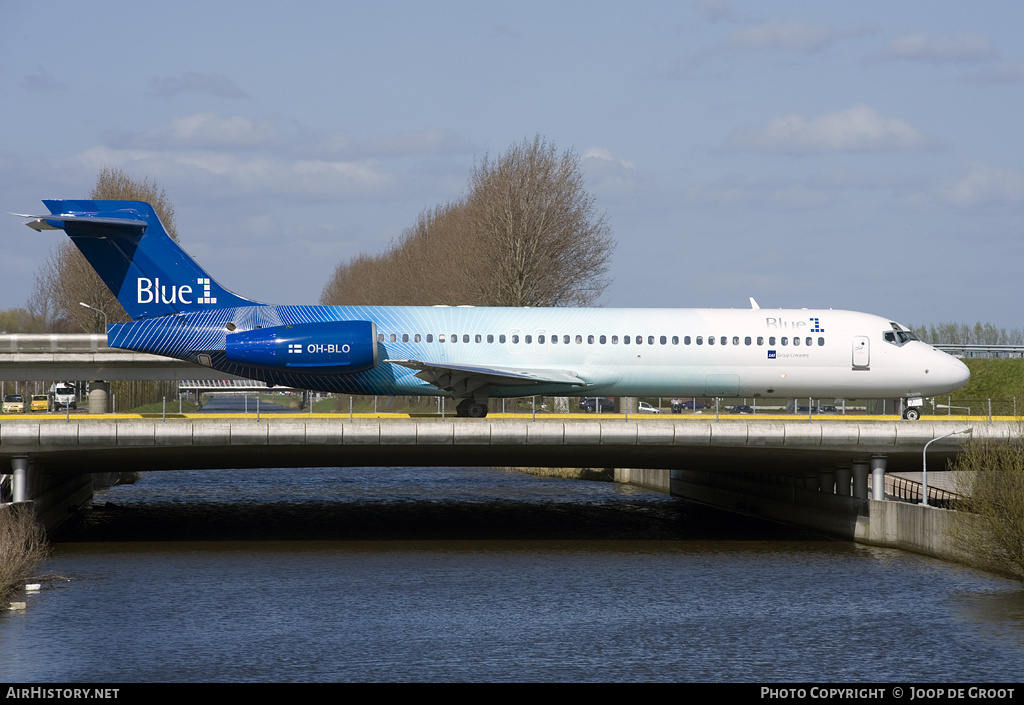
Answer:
(474, 353)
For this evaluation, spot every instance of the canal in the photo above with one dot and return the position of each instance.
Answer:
(476, 574)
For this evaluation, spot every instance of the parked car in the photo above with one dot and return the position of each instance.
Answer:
(590, 404)
(14, 404)
(645, 408)
(40, 402)
(740, 409)
(692, 404)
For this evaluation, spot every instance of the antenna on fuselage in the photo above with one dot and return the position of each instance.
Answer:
(753, 304)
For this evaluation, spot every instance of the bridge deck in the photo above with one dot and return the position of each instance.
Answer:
(93, 445)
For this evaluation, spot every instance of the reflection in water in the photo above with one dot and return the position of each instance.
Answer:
(474, 574)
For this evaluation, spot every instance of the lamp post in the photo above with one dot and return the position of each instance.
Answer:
(99, 311)
(924, 462)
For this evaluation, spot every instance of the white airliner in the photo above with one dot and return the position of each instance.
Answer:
(474, 353)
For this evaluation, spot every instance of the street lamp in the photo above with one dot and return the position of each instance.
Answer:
(82, 303)
(924, 462)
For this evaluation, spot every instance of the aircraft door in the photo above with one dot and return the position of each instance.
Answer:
(541, 337)
(515, 341)
(861, 352)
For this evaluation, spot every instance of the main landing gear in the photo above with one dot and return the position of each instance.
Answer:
(471, 408)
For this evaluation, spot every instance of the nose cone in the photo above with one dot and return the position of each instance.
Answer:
(959, 374)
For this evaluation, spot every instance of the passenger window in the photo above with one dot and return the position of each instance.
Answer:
(746, 341)
(590, 339)
(711, 340)
(615, 340)
(663, 340)
(808, 341)
(529, 339)
(380, 337)
(430, 338)
(675, 340)
(686, 340)
(515, 339)
(416, 338)
(490, 338)
(540, 340)
(479, 338)
(603, 339)
(465, 337)
(440, 337)
(785, 340)
(760, 340)
(700, 340)
(501, 339)
(771, 340)
(821, 342)
(736, 340)
(625, 340)
(796, 341)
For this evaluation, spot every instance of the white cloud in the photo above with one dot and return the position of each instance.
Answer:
(211, 131)
(856, 129)
(203, 131)
(227, 174)
(792, 36)
(960, 47)
(983, 185)
(1010, 72)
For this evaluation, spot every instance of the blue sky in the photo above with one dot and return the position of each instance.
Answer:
(860, 155)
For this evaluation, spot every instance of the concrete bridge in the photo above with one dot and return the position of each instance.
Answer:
(97, 445)
(816, 474)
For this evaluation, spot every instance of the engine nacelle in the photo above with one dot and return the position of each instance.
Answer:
(334, 347)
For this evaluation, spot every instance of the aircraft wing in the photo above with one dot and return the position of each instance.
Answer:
(462, 378)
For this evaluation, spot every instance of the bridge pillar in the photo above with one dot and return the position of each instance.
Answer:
(878, 463)
(19, 483)
(826, 481)
(810, 481)
(860, 478)
(99, 397)
(843, 480)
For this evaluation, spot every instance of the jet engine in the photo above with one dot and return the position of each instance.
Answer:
(333, 347)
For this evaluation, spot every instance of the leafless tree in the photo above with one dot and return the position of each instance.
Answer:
(526, 235)
(535, 226)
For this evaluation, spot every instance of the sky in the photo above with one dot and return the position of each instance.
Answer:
(862, 156)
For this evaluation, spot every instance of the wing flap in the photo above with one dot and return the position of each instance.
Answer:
(464, 377)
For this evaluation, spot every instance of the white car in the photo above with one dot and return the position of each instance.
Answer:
(645, 408)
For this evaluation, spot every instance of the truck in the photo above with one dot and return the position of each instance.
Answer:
(64, 395)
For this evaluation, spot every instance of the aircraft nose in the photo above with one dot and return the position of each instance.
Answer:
(959, 373)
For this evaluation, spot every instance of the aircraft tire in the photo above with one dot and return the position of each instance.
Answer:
(912, 414)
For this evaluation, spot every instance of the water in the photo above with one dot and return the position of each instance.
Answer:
(464, 574)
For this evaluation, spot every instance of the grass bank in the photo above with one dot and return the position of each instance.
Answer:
(23, 547)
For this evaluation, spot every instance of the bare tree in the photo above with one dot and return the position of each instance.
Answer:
(526, 235)
(66, 278)
(540, 240)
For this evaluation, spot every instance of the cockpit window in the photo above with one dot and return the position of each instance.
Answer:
(898, 337)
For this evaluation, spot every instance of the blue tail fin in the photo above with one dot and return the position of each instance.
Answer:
(127, 245)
